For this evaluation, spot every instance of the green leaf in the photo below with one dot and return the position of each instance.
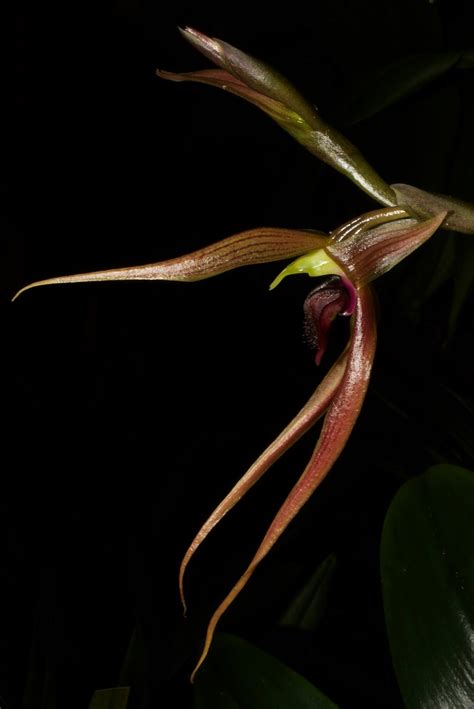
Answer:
(237, 675)
(116, 698)
(395, 81)
(307, 608)
(427, 563)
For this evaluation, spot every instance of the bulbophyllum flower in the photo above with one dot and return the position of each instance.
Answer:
(345, 263)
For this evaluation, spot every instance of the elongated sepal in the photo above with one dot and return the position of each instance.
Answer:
(244, 249)
(338, 424)
(369, 254)
(314, 408)
(258, 83)
(460, 214)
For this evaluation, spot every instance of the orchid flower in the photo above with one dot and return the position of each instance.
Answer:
(344, 262)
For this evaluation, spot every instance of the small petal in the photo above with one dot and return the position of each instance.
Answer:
(338, 424)
(260, 84)
(460, 213)
(369, 254)
(244, 249)
(314, 408)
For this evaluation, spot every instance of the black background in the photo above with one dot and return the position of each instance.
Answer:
(130, 409)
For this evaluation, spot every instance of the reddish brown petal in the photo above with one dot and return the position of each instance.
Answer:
(307, 417)
(338, 424)
(244, 249)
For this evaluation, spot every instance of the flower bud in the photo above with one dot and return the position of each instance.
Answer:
(258, 83)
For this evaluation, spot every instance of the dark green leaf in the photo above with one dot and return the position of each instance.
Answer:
(394, 82)
(307, 608)
(237, 675)
(116, 698)
(427, 563)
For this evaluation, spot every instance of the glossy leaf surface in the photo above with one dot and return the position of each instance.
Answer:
(427, 567)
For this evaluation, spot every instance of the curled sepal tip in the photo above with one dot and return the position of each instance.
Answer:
(244, 249)
(339, 421)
